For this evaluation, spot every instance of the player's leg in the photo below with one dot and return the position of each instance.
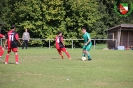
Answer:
(64, 50)
(15, 50)
(84, 51)
(59, 51)
(1, 52)
(26, 43)
(16, 57)
(7, 55)
(88, 49)
(23, 44)
(88, 55)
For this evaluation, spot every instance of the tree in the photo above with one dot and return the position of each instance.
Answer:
(80, 13)
(44, 18)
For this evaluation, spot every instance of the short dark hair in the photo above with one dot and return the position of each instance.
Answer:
(84, 28)
(13, 26)
(59, 33)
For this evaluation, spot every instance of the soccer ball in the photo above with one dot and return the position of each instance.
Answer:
(83, 58)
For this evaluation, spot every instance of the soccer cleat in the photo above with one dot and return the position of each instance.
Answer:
(17, 63)
(6, 63)
(62, 56)
(89, 59)
(69, 58)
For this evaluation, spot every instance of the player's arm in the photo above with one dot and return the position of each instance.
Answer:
(17, 38)
(89, 39)
(19, 42)
(5, 43)
(23, 36)
(62, 41)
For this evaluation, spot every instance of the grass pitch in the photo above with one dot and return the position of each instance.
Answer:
(43, 68)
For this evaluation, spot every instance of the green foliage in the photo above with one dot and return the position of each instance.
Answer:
(36, 43)
(44, 18)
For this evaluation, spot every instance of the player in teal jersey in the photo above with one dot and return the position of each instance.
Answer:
(87, 43)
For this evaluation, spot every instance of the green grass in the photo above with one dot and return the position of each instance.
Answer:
(100, 46)
(43, 68)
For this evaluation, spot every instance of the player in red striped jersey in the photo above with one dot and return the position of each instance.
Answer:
(1, 48)
(11, 41)
(60, 46)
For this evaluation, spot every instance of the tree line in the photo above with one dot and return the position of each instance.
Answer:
(44, 18)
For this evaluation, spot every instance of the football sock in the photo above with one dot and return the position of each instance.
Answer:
(68, 55)
(7, 56)
(89, 57)
(1, 53)
(60, 53)
(16, 56)
(62, 56)
(83, 55)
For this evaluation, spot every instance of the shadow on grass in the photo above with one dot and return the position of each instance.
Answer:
(11, 63)
(54, 58)
(82, 60)
(67, 58)
(1, 62)
(78, 59)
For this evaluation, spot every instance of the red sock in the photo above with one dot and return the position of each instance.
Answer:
(16, 56)
(68, 55)
(7, 56)
(1, 52)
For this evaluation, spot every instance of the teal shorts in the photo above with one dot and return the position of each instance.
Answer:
(87, 47)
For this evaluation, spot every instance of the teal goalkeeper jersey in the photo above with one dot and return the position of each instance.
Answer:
(86, 37)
